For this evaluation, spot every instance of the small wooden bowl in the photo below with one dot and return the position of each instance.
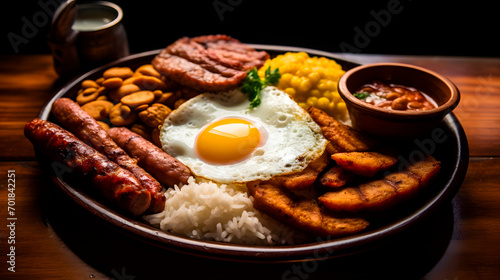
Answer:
(397, 124)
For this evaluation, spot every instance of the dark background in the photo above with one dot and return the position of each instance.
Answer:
(421, 27)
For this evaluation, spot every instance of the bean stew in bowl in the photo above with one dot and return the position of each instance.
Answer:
(396, 97)
(395, 100)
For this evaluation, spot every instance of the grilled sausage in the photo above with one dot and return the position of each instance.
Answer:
(114, 182)
(89, 131)
(168, 170)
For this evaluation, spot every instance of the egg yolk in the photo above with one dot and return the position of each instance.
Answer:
(227, 141)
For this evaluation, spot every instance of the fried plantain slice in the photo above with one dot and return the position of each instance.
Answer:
(384, 193)
(364, 163)
(301, 213)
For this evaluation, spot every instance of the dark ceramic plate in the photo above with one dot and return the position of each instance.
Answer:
(446, 143)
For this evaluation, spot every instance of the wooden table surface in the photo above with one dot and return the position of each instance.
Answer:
(57, 239)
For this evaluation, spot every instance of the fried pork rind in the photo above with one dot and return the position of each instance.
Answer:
(301, 213)
(342, 137)
(383, 193)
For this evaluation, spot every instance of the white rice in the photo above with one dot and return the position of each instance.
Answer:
(205, 210)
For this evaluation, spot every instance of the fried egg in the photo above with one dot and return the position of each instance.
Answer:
(221, 139)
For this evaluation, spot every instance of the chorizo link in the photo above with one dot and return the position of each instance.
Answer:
(168, 170)
(115, 183)
(79, 122)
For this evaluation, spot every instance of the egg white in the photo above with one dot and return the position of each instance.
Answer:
(293, 138)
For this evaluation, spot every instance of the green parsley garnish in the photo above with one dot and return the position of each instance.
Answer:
(361, 95)
(253, 84)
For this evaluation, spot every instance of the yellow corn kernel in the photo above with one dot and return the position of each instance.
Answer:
(328, 94)
(305, 85)
(314, 77)
(315, 92)
(303, 72)
(342, 110)
(295, 82)
(320, 71)
(301, 56)
(332, 107)
(286, 68)
(303, 105)
(336, 96)
(290, 91)
(331, 85)
(322, 84)
(323, 103)
(312, 101)
(285, 80)
(324, 61)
